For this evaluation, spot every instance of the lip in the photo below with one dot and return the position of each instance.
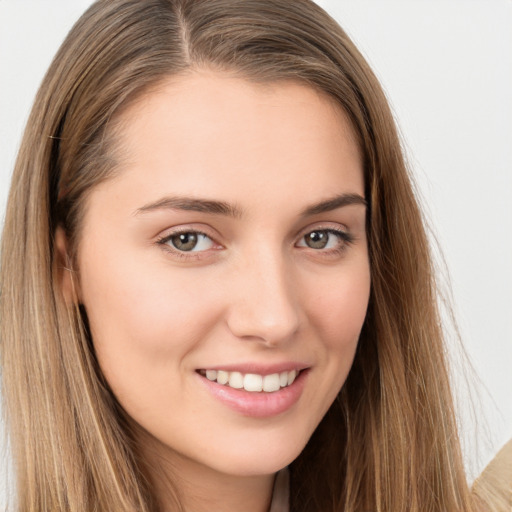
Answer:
(254, 404)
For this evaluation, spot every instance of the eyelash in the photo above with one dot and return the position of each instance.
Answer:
(185, 255)
(346, 239)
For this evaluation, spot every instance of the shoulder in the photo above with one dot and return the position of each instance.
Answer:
(493, 488)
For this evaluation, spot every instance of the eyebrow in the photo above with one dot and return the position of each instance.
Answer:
(230, 210)
(334, 203)
(193, 205)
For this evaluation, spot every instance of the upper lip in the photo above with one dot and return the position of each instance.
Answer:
(258, 368)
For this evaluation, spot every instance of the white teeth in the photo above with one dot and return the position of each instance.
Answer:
(251, 381)
(236, 380)
(271, 383)
(222, 377)
(211, 374)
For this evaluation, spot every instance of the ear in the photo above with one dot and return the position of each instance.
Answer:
(65, 274)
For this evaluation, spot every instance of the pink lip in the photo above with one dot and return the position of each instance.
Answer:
(257, 405)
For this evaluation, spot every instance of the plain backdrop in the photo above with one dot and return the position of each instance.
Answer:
(446, 66)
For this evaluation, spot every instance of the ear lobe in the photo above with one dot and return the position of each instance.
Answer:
(65, 274)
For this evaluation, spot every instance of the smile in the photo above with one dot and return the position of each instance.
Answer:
(256, 395)
(252, 382)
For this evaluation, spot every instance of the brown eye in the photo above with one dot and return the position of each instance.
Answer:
(317, 239)
(184, 241)
(189, 241)
(325, 239)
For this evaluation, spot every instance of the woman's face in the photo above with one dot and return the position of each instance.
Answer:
(231, 246)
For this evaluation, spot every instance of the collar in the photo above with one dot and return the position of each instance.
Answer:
(281, 493)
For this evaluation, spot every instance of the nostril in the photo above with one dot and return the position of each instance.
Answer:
(256, 329)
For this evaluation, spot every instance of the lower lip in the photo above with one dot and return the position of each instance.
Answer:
(258, 405)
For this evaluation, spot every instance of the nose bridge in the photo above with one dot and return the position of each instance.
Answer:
(264, 305)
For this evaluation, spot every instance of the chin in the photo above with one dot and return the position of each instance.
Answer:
(262, 457)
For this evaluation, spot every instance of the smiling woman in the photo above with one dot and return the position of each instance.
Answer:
(221, 272)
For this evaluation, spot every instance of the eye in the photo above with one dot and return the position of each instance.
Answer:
(188, 241)
(324, 239)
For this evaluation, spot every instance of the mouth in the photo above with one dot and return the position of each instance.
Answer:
(252, 382)
(256, 395)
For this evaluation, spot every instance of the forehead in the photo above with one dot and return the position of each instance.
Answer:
(211, 134)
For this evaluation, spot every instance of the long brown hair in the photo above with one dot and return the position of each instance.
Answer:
(389, 442)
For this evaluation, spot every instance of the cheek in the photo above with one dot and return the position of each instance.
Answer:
(134, 296)
(142, 321)
(338, 314)
(338, 310)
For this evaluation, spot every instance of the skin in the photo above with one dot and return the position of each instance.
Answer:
(253, 292)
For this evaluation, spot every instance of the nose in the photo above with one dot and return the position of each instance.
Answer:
(264, 303)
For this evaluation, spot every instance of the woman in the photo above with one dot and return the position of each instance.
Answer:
(214, 267)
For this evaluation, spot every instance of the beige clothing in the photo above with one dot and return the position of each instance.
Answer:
(493, 488)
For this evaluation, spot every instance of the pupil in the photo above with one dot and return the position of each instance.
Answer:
(317, 239)
(185, 241)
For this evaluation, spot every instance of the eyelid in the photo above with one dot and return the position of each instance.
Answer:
(200, 229)
(324, 226)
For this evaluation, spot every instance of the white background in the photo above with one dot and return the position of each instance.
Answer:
(446, 66)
